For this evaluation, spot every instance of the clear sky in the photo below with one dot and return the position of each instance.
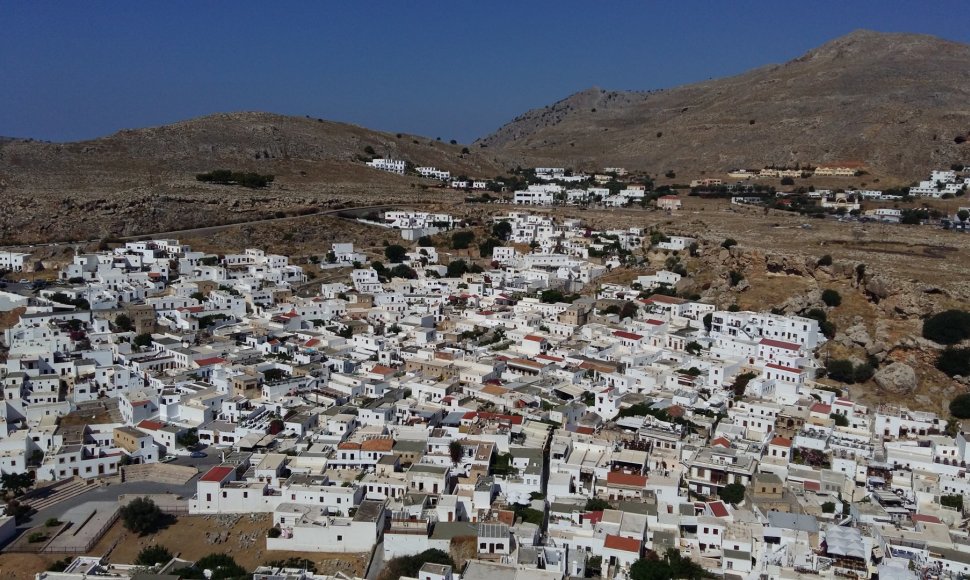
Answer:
(455, 70)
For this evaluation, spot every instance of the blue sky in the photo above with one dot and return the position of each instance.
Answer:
(455, 70)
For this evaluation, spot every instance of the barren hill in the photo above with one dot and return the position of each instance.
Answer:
(143, 180)
(900, 103)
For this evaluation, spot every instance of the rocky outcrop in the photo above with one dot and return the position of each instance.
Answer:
(898, 378)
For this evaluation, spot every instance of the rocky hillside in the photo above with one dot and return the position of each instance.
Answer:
(143, 180)
(896, 102)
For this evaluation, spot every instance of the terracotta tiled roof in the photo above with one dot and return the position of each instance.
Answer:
(623, 544)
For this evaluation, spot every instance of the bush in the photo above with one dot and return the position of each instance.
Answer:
(948, 327)
(828, 507)
(729, 243)
(151, 555)
(410, 565)
(954, 361)
(825, 260)
(35, 537)
(960, 406)
(141, 516)
(425, 242)
(735, 277)
(840, 420)
(223, 567)
(52, 522)
(831, 297)
(123, 322)
(841, 370)
(595, 504)
(274, 532)
(954, 501)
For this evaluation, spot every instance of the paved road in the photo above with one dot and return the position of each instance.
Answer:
(376, 563)
(209, 230)
(108, 493)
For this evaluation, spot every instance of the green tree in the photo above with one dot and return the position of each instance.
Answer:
(151, 555)
(461, 240)
(141, 516)
(960, 406)
(222, 567)
(16, 483)
(502, 230)
(456, 269)
(948, 327)
(123, 323)
(733, 493)
(840, 420)
(693, 347)
(455, 451)
(954, 361)
(828, 507)
(550, 296)
(708, 320)
(841, 370)
(188, 439)
(425, 242)
(831, 297)
(395, 253)
(142, 340)
(672, 565)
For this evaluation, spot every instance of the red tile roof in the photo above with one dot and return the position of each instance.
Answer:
(215, 360)
(783, 368)
(723, 442)
(217, 473)
(812, 485)
(623, 544)
(926, 519)
(550, 357)
(719, 509)
(781, 442)
(628, 335)
(593, 517)
(150, 425)
(628, 479)
(534, 338)
(780, 344)
(382, 370)
(821, 408)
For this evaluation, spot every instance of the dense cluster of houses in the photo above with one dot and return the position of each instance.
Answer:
(556, 438)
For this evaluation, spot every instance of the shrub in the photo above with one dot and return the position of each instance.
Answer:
(948, 327)
(425, 242)
(735, 277)
(954, 501)
(223, 567)
(595, 504)
(52, 522)
(828, 507)
(840, 370)
(825, 260)
(274, 532)
(729, 243)
(141, 516)
(151, 555)
(960, 406)
(35, 537)
(840, 420)
(954, 361)
(831, 297)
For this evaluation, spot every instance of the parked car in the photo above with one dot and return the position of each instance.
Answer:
(197, 455)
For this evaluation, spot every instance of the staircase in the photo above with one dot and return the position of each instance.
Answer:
(57, 493)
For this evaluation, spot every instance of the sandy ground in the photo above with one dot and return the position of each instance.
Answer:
(190, 538)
